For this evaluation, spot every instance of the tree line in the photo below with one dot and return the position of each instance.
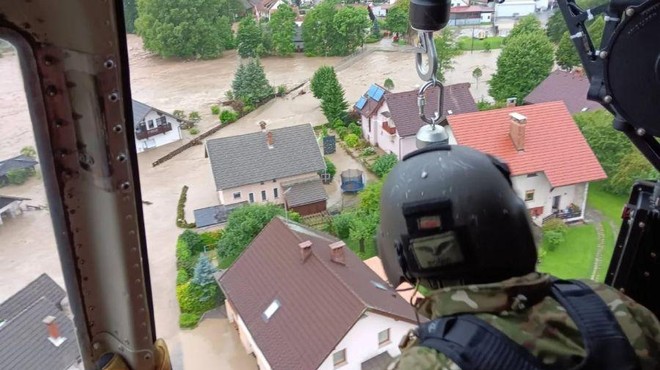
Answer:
(202, 29)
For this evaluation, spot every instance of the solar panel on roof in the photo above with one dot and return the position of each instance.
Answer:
(372, 91)
(361, 102)
(379, 94)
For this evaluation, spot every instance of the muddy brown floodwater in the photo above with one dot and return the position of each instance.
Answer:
(27, 246)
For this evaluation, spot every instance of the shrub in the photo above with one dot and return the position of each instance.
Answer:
(229, 95)
(555, 224)
(194, 131)
(384, 164)
(388, 84)
(351, 140)
(248, 108)
(341, 131)
(193, 298)
(484, 105)
(182, 277)
(368, 151)
(29, 151)
(193, 240)
(19, 176)
(185, 260)
(180, 210)
(338, 123)
(215, 110)
(355, 129)
(210, 238)
(552, 239)
(194, 117)
(341, 225)
(228, 116)
(179, 114)
(189, 320)
(329, 167)
(281, 90)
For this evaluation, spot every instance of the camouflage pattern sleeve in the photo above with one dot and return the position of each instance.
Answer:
(423, 358)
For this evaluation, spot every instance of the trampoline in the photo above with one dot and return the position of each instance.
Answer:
(352, 181)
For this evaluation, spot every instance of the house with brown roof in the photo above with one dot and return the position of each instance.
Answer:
(569, 87)
(265, 8)
(391, 120)
(277, 166)
(550, 161)
(300, 299)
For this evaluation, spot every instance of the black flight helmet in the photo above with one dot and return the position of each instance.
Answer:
(449, 216)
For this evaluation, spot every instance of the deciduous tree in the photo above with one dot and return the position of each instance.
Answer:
(388, 84)
(477, 73)
(397, 19)
(318, 31)
(566, 54)
(526, 25)
(130, 15)
(283, 26)
(248, 38)
(181, 28)
(526, 60)
(352, 24)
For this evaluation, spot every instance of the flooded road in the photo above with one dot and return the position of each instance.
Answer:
(27, 246)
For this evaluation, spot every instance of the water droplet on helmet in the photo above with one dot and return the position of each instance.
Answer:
(424, 174)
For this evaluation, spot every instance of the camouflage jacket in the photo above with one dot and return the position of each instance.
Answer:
(542, 326)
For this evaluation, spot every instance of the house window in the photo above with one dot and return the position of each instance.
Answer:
(263, 195)
(369, 124)
(529, 195)
(384, 337)
(151, 124)
(275, 193)
(251, 197)
(532, 174)
(237, 195)
(339, 358)
(162, 120)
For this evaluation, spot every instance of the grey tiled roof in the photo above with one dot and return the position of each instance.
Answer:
(140, 110)
(305, 192)
(379, 362)
(4, 200)
(24, 342)
(214, 215)
(43, 286)
(569, 87)
(246, 159)
(16, 163)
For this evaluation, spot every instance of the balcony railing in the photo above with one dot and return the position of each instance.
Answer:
(571, 212)
(142, 133)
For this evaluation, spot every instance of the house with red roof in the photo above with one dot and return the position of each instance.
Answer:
(391, 120)
(300, 299)
(551, 163)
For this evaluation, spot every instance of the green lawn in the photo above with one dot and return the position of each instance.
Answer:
(574, 258)
(465, 43)
(608, 204)
(370, 249)
(610, 238)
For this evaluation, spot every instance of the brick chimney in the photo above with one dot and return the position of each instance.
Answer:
(262, 124)
(518, 126)
(337, 252)
(269, 139)
(53, 331)
(305, 250)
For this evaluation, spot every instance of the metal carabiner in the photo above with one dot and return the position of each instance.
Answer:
(426, 46)
(421, 102)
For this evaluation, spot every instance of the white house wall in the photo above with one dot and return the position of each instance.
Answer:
(361, 342)
(514, 9)
(226, 196)
(246, 338)
(160, 139)
(544, 193)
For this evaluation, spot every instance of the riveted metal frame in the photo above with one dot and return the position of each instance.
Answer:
(75, 66)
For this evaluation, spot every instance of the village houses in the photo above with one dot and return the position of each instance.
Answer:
(154, 127)
(279, 166)
(301, 299)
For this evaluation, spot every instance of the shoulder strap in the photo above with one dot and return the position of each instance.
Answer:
(473, 344)
(606, 345)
